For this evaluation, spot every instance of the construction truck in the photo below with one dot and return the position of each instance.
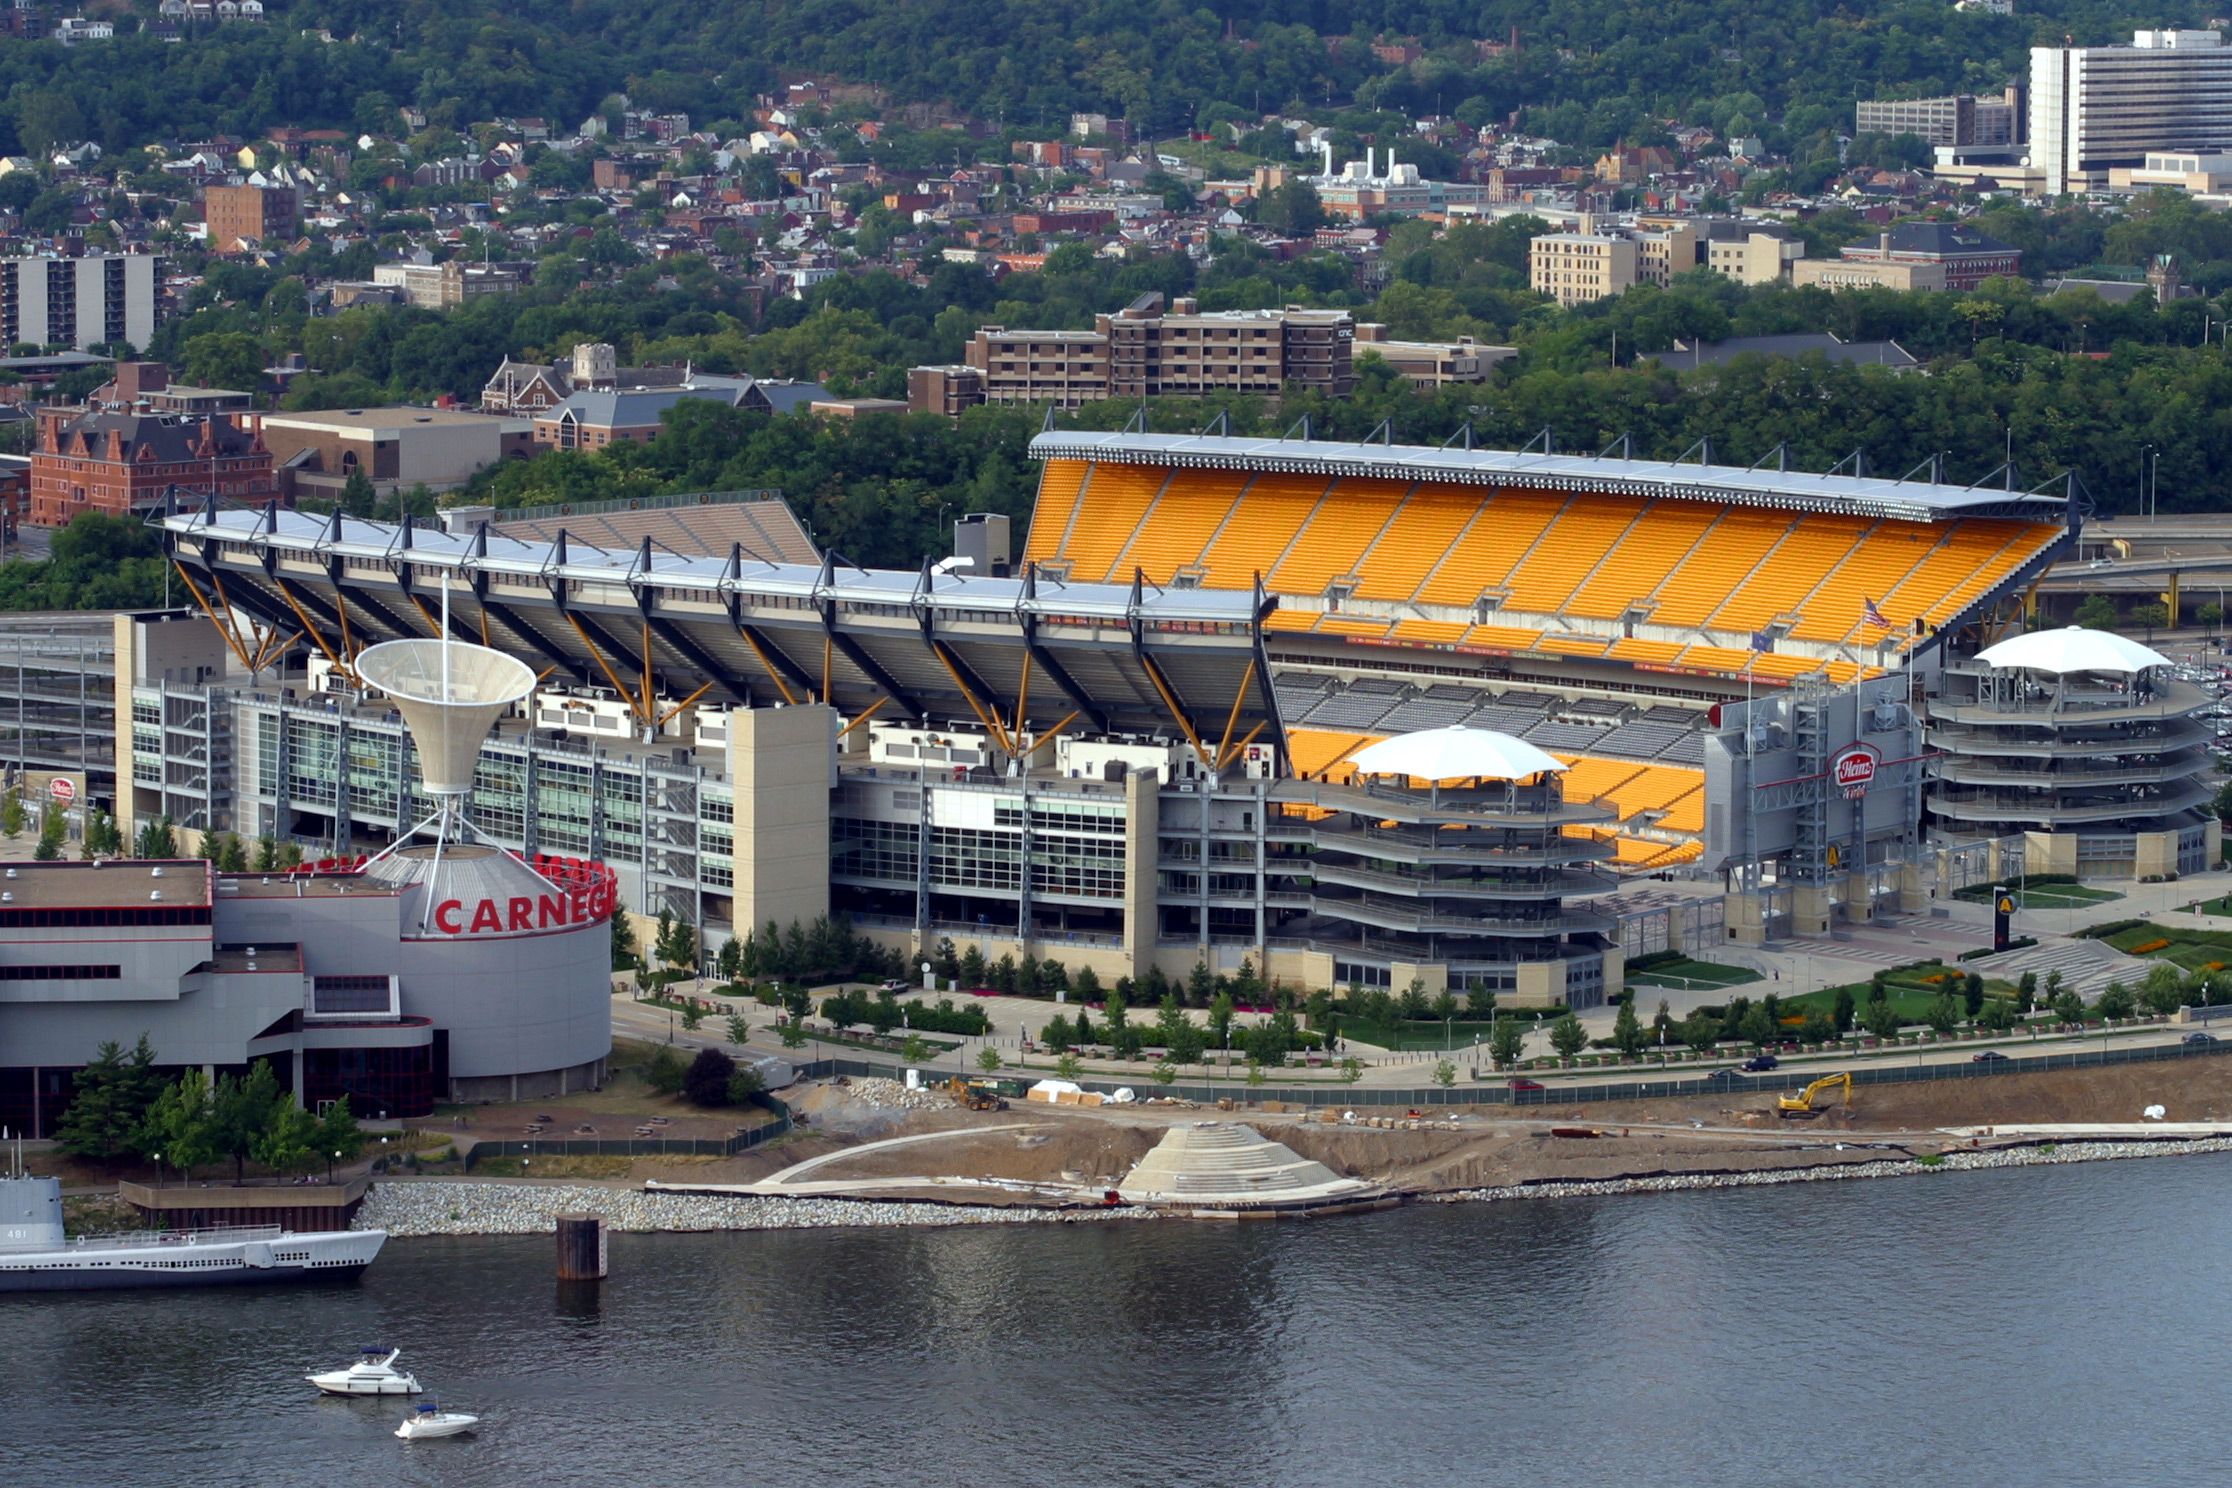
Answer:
(977, 1095)
(1804, 1102)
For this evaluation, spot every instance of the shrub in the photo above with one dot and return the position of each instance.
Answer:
(706, 1082)
(2111, 927)
(664, 1072)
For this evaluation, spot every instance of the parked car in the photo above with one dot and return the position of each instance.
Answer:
(896, 987)
(2198, 1039)
(1987, 1056)
(1761, 1062)
(1725, 1077)
(1521, 1087)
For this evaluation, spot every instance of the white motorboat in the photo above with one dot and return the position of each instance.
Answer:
(430, 1421)
(374, 1373)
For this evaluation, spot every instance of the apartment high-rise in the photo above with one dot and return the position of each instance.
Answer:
(80, 302)
(2096, 108)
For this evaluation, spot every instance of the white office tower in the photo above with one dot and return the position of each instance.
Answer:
(2097, 107)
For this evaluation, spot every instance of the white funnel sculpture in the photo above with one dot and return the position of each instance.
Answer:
(449, 694)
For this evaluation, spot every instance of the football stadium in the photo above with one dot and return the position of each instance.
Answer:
(1356, 714)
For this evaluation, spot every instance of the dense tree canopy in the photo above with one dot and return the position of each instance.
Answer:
(1587, 74)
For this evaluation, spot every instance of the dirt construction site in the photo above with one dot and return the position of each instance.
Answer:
(875, 1137)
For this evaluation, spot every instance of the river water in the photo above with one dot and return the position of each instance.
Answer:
(2059, 1323)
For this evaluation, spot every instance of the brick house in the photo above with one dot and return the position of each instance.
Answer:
(120, 463)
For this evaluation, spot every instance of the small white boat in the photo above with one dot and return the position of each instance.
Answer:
(374, 1373)
(429, 1421)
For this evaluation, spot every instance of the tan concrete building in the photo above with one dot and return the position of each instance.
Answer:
(1578, 268)
(439, 448)
(1861, 273)
(1433, 364)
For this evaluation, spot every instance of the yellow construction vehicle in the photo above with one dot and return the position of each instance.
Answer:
(977, 1095)
(1802, 1104)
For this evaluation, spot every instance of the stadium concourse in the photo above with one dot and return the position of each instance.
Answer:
(1599, 608)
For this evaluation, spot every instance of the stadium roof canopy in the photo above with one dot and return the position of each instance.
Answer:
(660, 626)
(1455, 753)
(1793, 490)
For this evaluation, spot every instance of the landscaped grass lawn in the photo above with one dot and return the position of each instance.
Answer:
(1420, 1035)
(2041, 896)
(1685, 973)
(2194, 950)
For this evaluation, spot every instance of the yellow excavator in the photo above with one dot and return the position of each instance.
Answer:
(1802, 1104)
(976, 1095)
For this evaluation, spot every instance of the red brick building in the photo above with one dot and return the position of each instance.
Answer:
(120, 463)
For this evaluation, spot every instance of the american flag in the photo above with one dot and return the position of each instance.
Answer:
(1870, 615)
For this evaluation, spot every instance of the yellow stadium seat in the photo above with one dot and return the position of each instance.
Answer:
(1050, 514)
(1356, 625)
(1566, 554)
(1643, 558)
(1336, 535)
(1502, 637)
(1814, 546)
(1483, 557)
(1430, 632)
(1661, 653)
(1732, 549)
(1292, 620)
(1179, 524)
(1272, 510)
(1870, 572)
(1574, 645)
(1116, 498)
(1429, 520)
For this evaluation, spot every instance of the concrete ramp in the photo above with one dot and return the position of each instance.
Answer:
(1212, 1167)
(2086, 966)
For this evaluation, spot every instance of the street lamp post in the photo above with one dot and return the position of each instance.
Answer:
(158, 1169)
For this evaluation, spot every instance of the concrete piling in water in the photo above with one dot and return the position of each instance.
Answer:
(581, 1247)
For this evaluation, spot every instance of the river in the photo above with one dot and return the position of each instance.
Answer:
(1979, 1328)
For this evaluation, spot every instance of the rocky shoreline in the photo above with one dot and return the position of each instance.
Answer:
(464, 1208)
(408, 1210)
(1951, 1162)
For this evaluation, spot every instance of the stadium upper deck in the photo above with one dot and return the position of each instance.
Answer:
(1658, 565)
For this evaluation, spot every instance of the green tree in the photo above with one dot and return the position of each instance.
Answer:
(2116, 1002)
(1972, 994)
(12, 816)
(339, 1138)
(623, 942)
(51, 828)
(1843, 1010)
(109, 1103)
(1700, 1031)
(286, 1143)
(1067, 1066)
(1943, 1013)
(706, 1081)
(1998, 1015)
(1627, 1029)
(1445, 1073)
(1352, 1070)
(2163, 989)
(242, 1108)
(793, 1035)
(1255, 1072)
(1506, 1038)
(1220, 1020)
(914, 1050)
(1165, 1072)
(988, 1060)
(664, 1072)
(267, 855)
(2068, 1006)
(181, 1126)
(692, 1015)
(1882, 1019)
(2096, 612)
(156, 840)
(1567, 1036)
(738, 1029)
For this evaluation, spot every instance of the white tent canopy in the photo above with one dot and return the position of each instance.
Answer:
(2075, 649)
(1454, 753)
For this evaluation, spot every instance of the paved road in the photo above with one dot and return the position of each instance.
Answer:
(635, 1020)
